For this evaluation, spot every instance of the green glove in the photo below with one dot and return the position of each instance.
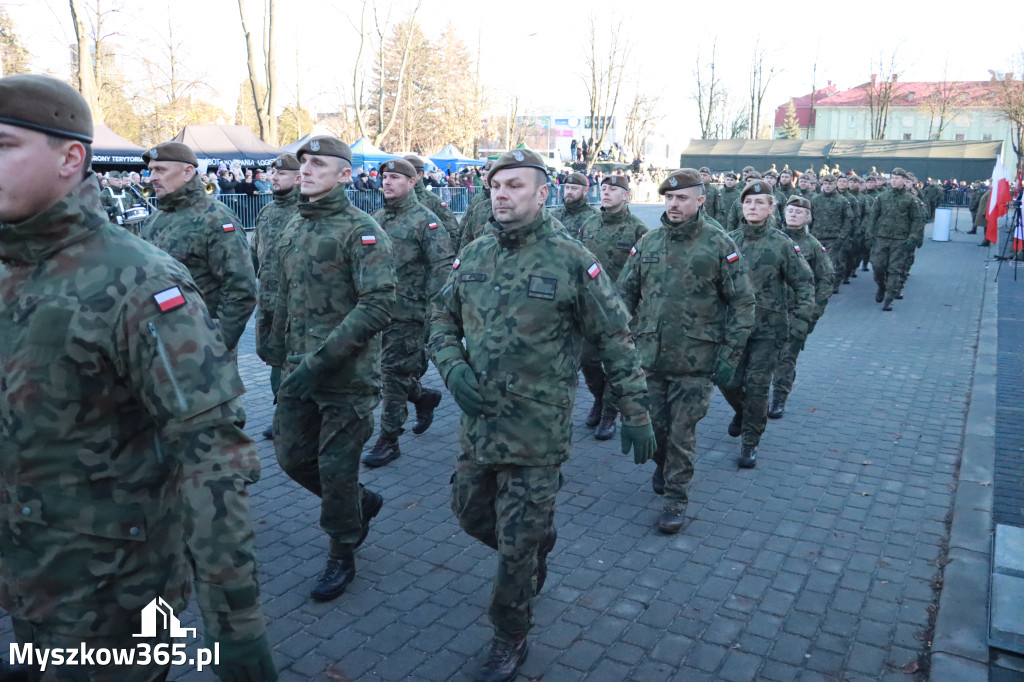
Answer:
(725, 370)
(248, 661)
(641, 440)
(798, 329)
(466, 389)
(301, 382)
(275, 380)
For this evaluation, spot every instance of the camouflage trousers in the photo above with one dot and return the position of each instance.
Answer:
(838, 251)
(889, 262)
(596, 379)
(749, 396)
(41, 638)
(403, 361)
(511, 509)
(318, 443)
(677, 404)
(785, 369)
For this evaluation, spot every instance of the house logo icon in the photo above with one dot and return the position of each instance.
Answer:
(158, 615)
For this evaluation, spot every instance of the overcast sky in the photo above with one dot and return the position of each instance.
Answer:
(535, 47)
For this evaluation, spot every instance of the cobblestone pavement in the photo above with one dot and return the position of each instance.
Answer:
(817, 565)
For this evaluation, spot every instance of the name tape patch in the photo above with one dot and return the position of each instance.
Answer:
(169, 299)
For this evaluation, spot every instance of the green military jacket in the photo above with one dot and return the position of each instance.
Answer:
(610, 236)
(726, 198)
(688, 291)
(712, 197)
(787, 190)
(817, 258)
(775, 267)
(573, 216)
(123, 469)
(422, 255)
(270, 223)
(831, 217)
(524, 300)
(892, 215)
(117, 201)
(477, 218)
(921, 217)
(440, 209)
(204, 235)
(337, 291)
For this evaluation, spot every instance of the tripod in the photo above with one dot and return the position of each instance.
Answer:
(1014, 226)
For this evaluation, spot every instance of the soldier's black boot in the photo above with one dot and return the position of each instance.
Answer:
(542, 557)
(846, 279)
(425, 410)
(778, 407)
(864, 266)
(973, 231)
(606, 429)
(658, 480)
(369, 505)
(594, 416)
(338, 573)
(985, 242)
(887, 304)
(384, 450)
(268, 433)
(503, 662)
(736, 425)
(880, 294)
(748, 457)
(671, 522)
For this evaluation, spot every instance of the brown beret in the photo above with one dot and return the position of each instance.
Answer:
(749, 169)
(288, 162)
(704, 169)
(398, 166)
(325, 145)
(799, 202)
(113, 174)
(517, 158)
(619, 181)
(753, 175)
(854, 178)
(680, 179)
(45, 105)
(757, 186)
(770, 173)
(828, 177)
(171, 151)
(786, 171)
(900, 171)
(416, 161)
(731, 174)
(577, 179)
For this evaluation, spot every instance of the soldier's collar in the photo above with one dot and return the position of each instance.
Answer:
(401, 203)
(683, 230)
(519, 237)
(289, 198)
(188, 194)
(336, 201)
(77, 216)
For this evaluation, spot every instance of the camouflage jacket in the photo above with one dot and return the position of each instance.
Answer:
(204, 235)
(688, 291)
(573, 216)
(610, 236)
(123, 466)
(336, 292)
(270, 224)
(773, 261)
(821, 267)
(422, 255)
(892, 215)
(117, 201)
(524, 300)
(477, 218)
(831, 217)
(726, 198)
(858, 206)
(440, 209)
(711, 199)
(787, 190)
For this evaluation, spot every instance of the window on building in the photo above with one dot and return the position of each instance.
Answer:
(959, 137)
(908, 136)
(852, 122)
(986, 136)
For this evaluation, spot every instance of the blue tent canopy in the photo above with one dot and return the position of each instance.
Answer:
(450, 158)
(365, 155)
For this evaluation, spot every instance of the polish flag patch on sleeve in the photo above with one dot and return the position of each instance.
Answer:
(824, 249)
(456, 263)
(228, 227)
(369, 240)
(632, 251)
(733, 257)
(594, 270)
(432, 226)
(169, 299)
(797, 247)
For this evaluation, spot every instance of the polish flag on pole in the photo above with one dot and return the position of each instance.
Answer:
(997, 200)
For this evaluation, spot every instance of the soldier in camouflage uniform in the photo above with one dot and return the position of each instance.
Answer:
(773, 261)
(523, 297)
(423, 257)
(609, 235)
(478, 216)
(693, 308)
(575, 209)
(446, 218)
(786, 183)
(729, 195)
(204, 235)
(270, 224)
(711, 195)
(123, 467)
(917, 233)
(798, 215)
(890, 225)
(832, 225)
(806, 183)
(336, 293)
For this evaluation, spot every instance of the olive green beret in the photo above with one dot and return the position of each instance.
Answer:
(325, 145)
(680, 179)
(753, 175)
(288, 162)
(770, 173)
(757, 186)
(749, 169)
(45, 105)
(171, 151)
(799, 202)
(398, 166)
(577, 179)
(517, 158)
(786, 171)
(828, 177)
(731, 174)
(704, 169)
(113, 174)
(900, 171)
(619, 181)
(416, 161)
(854, 178)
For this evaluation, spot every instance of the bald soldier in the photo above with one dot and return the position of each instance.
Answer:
(202, 234)
(575, 209)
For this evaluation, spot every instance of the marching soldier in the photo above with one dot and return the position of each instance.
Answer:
(729, 195)
(446, 218)
(832, 225)
(204, 235)
(890, 225)
(786, 183)
(478, 215)
(710, 205)
(575, 209)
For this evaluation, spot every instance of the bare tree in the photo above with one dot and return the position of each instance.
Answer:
(84, 74)
(643, 116)
(708, 94)
(1009, 102)
(760, 78)
(946, 102)
(606, 65)
(264, 97)
(881, 91)
(14, 58)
